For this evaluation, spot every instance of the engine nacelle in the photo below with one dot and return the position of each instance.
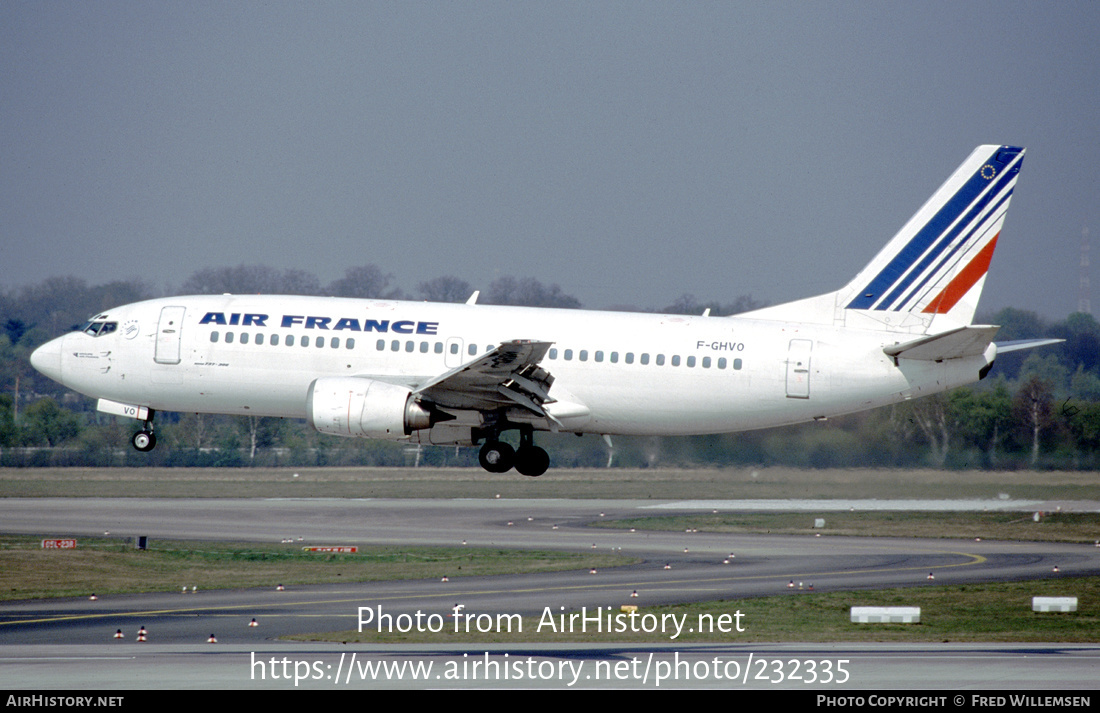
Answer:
(350, 406)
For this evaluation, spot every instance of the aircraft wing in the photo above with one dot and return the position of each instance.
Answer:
(509, 375)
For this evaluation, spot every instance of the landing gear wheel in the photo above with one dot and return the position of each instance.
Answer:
(532, 461)
(496, 457)
(144, 441)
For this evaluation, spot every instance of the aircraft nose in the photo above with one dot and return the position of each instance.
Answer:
(47, 358)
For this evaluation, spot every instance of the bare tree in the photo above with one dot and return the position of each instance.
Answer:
(366, 282)
(445, 289)
(528, 292)
(687, 304)
(932, 416)
(1033, 410)
(251, 280)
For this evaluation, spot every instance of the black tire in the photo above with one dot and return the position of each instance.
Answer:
(144, 441)
(496, 457)
(532, 461)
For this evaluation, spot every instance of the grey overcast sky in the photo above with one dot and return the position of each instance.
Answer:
(628, 151)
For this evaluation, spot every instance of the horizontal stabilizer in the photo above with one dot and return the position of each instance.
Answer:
(1017, 345)
(954, 344)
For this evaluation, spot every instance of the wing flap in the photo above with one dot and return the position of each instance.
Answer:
(508, 375)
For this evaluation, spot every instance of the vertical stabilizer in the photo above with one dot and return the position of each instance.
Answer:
(929, 276)
(936, 264)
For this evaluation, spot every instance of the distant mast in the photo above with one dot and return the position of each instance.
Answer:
(1084, 303)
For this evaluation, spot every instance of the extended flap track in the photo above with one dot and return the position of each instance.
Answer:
(529, 387)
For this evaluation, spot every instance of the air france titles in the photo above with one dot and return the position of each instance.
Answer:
(351, 324)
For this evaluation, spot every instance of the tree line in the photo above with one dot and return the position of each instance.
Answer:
(1038, 409)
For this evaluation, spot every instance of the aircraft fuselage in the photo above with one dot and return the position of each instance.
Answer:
(635, 373)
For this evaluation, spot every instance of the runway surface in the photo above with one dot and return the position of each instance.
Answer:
(69, 643)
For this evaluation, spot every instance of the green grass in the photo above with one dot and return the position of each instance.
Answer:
(644, 484)
(112, 565)
(1051, 527)
(964, 613)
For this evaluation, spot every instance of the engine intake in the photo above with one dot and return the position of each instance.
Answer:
(351, 406)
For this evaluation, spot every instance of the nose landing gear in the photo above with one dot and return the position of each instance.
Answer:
(145, 440)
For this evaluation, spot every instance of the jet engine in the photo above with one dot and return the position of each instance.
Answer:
(351, 406)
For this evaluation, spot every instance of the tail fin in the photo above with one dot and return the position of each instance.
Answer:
(936, 264)
(935, 267)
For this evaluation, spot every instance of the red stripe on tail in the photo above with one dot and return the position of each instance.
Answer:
(962, 283)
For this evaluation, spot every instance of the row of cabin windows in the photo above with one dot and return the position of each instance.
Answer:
(395, 345)
(334, 343)
(643, 358)
(244, 338)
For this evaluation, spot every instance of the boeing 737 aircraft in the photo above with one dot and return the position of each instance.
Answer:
(464, 374)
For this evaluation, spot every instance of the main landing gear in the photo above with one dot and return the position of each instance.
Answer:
(145, 440)
(497, 456)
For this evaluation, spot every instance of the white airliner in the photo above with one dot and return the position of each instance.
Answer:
(465, 373)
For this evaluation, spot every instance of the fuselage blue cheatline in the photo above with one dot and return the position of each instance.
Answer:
(466, 373)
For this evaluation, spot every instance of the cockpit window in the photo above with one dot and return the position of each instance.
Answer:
(98, 329)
